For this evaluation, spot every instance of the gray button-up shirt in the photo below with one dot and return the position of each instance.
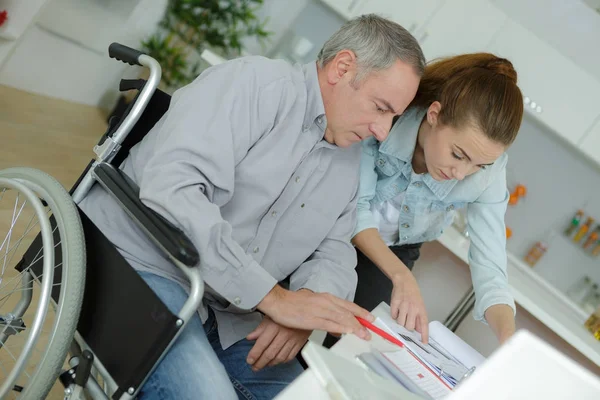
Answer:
(239, 163)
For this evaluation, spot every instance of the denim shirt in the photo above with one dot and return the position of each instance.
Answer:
(428, 206)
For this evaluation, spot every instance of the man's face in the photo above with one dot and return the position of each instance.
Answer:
(358, 110)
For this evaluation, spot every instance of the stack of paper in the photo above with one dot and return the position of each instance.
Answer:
(437, 367)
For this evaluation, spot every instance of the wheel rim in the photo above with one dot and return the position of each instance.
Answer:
(21, 226)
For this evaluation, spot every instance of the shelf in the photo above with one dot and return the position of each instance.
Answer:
(540, 298)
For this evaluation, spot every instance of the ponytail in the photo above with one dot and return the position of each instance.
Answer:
(477, 88)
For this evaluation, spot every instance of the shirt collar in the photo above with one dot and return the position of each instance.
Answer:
(314, 99)
(401, 143)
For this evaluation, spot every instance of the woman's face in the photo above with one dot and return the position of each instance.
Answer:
(452, 153)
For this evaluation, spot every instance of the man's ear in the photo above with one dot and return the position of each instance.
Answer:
(433, 113)
(343, 65)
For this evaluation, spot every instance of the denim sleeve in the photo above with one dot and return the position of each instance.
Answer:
(487, 251)
(366, 187)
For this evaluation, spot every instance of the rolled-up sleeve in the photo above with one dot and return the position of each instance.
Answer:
(487, 251)
(331, 268)
(209, 128)
(366, 187)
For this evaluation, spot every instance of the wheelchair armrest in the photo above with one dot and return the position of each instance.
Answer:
(172, 239)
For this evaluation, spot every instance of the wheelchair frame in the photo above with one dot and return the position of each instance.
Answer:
(122, 382)
(167, 237)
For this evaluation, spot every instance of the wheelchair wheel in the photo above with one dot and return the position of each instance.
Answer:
(31, 361)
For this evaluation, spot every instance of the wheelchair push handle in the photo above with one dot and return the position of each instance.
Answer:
(124, 53)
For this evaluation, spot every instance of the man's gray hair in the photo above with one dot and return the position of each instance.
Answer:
(377, 43)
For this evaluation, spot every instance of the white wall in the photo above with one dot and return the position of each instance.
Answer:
(578, 38)
(280, 16)
(48, 62)
(20, 17)
(45, 63)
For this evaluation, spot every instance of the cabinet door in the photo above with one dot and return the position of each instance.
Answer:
(460, 26)
(408, 13)
(557, 92)
(346, 8)
(590, 144)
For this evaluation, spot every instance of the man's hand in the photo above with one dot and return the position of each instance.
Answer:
(275, 344)
(407, 305)
(309, 311)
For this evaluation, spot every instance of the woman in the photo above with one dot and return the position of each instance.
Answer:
(446, 152)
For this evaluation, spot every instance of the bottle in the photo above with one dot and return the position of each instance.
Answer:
(535, 253)
(592, 238)
(583, 230)
(592, 324)
(592, 300)
(580, 289)
(596, 250)
(574, 223)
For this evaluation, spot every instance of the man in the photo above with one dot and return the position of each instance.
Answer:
(257, 161)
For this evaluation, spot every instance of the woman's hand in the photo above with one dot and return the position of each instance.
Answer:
(501, 319)
(407, 305)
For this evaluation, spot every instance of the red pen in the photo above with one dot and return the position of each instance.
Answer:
(392, 339)
(379, 331)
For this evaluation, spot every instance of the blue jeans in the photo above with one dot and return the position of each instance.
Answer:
(197, 367)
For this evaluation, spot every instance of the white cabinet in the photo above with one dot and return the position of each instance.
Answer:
(558, 93)
(590, 144)
(460, 26)
(411, 14)
(346, 8)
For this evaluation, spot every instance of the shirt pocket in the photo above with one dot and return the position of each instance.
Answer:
(440, 215)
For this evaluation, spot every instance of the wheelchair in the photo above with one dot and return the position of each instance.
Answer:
(71, 307)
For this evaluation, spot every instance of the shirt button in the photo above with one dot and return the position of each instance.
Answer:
(320, 119)
(417, 184)
(305, 127)
(256, 249)
(302, 205)
(237, 301)
(405, 225)
(404, 237)
(406, 208)
(297, 179)
(450, 207)
(274, 213)
(381, 162)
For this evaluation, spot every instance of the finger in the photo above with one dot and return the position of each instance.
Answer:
(283, 354)
(411, 319)
(257, 332)
(329, 325)
(344, 317)
(270, 352)
(328, 311)
(423, 328)
(395, 309)
(353, 308)
(295, 350)
(402, 313)
(262, 343)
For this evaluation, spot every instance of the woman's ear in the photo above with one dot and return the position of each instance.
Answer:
(433, 113)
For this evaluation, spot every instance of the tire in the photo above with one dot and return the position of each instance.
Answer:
(72, 285)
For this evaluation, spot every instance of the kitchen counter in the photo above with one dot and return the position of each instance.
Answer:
(545, 302)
